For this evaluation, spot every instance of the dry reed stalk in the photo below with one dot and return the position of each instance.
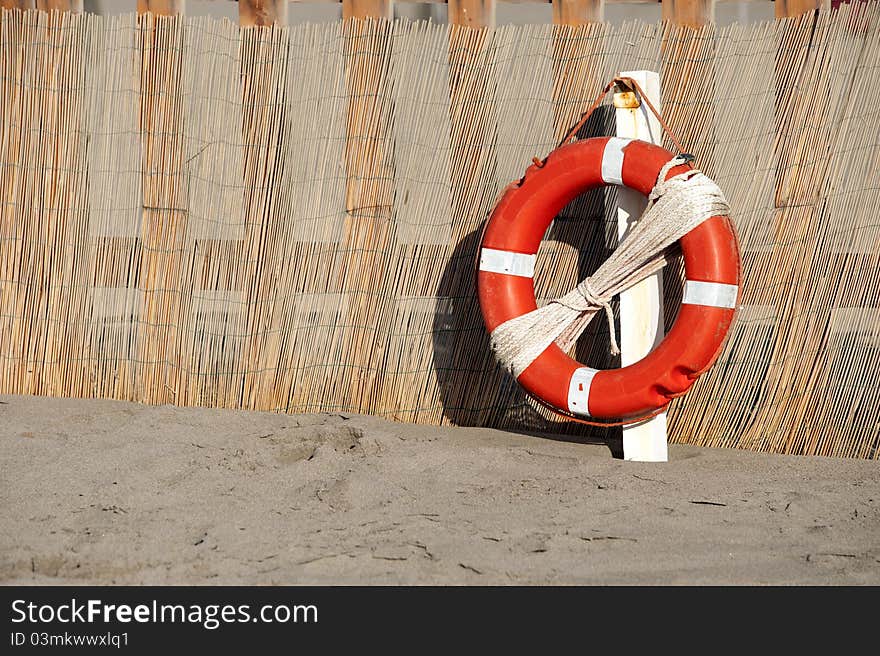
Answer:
(474, 185)
(165, 213)
(64, 184)
(787, 8)
(262, 13)
(421, 231)
(689, 13)
(14, 124)
(369, 165)
(264, 59)
(219, 242)
(18, 4)
(688, 86)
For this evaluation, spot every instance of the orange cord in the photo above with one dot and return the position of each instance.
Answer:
(630, 82)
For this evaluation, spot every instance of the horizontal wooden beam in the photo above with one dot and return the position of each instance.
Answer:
(162, 7)
(578, 12)
(787, 8)
(60, 5)
(262, 13)
(368, 9)
(471, 13)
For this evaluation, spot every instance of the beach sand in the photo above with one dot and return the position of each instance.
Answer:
(107, 492)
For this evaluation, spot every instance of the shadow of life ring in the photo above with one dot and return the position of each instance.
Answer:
(506, 287)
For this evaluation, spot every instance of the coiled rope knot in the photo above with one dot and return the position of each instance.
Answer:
(595, 299)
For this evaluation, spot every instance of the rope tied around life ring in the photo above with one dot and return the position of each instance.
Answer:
(675, 207)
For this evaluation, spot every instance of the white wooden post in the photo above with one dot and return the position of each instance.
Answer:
(641, 307)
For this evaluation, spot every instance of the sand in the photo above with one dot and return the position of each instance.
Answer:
(106, 492)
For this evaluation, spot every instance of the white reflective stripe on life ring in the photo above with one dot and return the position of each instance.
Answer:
(579, 391)
(612, 160)
(507, 262)
(712, 294)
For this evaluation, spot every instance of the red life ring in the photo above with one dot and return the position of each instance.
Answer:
(506, 286)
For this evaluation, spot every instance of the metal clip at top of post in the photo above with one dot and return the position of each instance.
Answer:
(625, 96)
(628, 94)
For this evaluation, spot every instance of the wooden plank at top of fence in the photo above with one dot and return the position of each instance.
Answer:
(692, 13)
(368, 9)
(787, 8)
(262, 13)
(60, 5)
(17, 4)
(162, 7)
(578, 12)
(366, 76)
(472, 13)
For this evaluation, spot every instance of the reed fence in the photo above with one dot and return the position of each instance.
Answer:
(287, 218)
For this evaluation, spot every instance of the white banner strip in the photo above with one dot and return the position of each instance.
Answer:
(508, 262)
(612, 160)
(713, 294)
(579, 391)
